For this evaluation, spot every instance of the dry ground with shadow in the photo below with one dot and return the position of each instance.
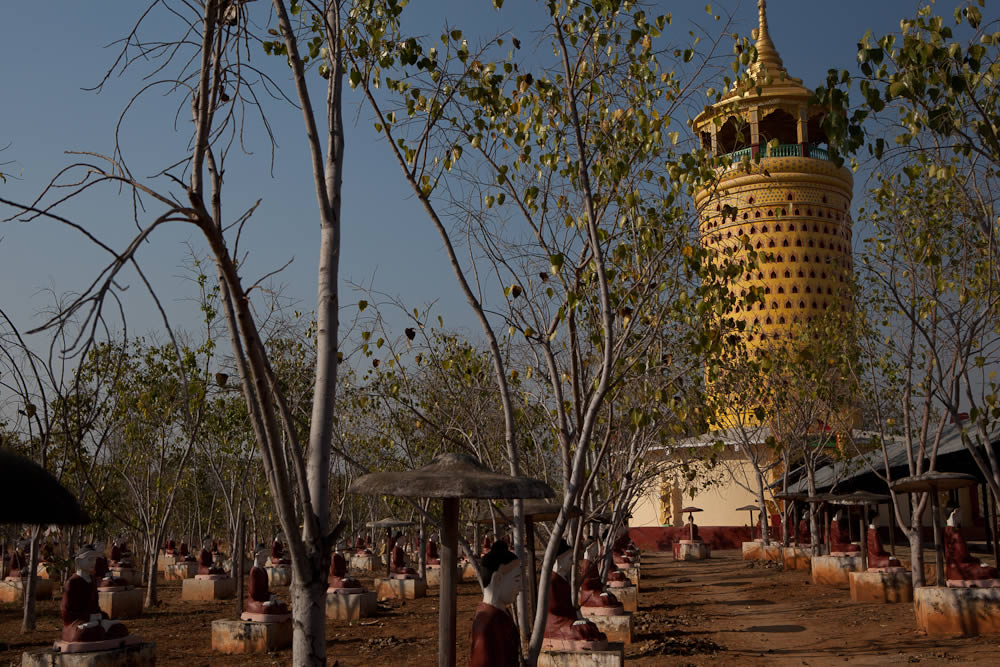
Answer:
(718, 612)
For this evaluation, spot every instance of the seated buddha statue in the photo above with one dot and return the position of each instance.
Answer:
(959, 563)
(260, 600)
(206, 562)
(399, 567)
(17, 565)
(494, 640)
(840, 542)
(338, 579)
(278, 552)
(623, 551)
(877, 555)
(171, 548)
(186, 555)
(486, 544)
(102, 575)
(83, 620)
(431, 553)
(803, 532)
(564, 629)
(592, 593)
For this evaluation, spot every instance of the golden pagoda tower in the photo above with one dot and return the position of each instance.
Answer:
(793, 203)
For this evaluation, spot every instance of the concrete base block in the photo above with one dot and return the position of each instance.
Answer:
(239, 636)
(618, 628)
(47, 571)
(352, 606)
(279, 575)
(613, 656)
(12, 590)
(121, 604)
(771, 552)
(691, 550)
(628, 596)
(891, 586)
(433, 575)
(632, 573)
(753, 550)
(129, 574)
(400, 589)
(796, 558)
(163, 560)
(180, 571)
(136, 655)
(953, 612)
(834, 570)
(208, 589)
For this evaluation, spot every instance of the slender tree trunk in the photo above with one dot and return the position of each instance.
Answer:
(916, 553)
(814, 537)
(152, 548)
(28, 621)
(764, 518)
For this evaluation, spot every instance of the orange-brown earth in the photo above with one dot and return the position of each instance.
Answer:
(719, 612)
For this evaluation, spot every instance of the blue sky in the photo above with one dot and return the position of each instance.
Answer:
(54, 50)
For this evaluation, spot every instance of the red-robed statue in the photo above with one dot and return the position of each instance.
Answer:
(494, 641)
(83, 620)
(959, 563)
(564, 629)
(260, 600)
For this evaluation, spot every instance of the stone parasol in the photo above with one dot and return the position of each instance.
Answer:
(49, 502)
(690, 512)
(933, 483)
(450, 477)
(864, 500)
(751, 509)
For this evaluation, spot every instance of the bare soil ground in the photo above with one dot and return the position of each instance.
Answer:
(719, 612)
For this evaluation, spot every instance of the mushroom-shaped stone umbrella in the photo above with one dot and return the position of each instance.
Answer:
(450, 477)
(751, 509)
(534, 510)
(861, 499)
(690, 512)
(933, 483)
(22, 478)
(389, 523)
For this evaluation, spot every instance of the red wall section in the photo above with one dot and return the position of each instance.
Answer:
(655, 538)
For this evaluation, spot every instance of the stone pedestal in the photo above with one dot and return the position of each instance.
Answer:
(279, 575)
(200, 588)
(627, 595)
(239, 636)
(365, 563)
(12, 590)
(468, 572)
(129, 574)
(618, 627)
(350, 606)
(753, 550)
(400, 589)
(950, 612)
(121, 604)
(136, 655)
(632, 573)
(771, 552)
(691, 550)
(834, 570)
(613, 656)
(44, 573)
(433, 577)
(890, 584)
(796, 558)
(163, 560)
(180, 571)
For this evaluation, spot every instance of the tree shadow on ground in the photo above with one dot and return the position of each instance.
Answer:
(759, 602)
(775, 628)
(730, 583)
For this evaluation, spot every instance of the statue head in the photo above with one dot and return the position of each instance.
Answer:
(261, 555)
(86, 559)
(564, 559)
(954, 518)
(502, 571)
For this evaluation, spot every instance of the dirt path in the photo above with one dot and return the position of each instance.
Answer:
(718, 612)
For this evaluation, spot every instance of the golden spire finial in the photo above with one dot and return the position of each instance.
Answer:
(767, 54)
